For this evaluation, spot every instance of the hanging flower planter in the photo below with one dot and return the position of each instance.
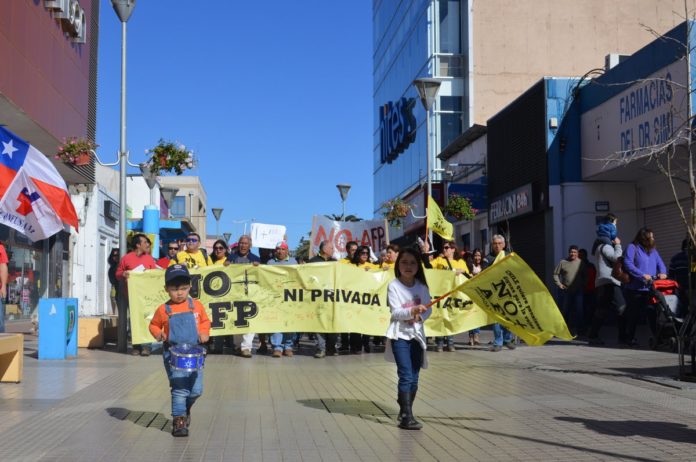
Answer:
(395, 211)
(459, 208)
(169, 157)
(76, 151)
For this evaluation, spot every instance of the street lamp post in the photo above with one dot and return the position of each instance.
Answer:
(427, 91)
(343, 191)
(217, 213)
(123, 9)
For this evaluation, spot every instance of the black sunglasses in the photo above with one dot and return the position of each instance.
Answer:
(364, 253)
(217, 247)
(173, 248)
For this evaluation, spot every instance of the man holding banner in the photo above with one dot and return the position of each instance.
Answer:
(502, 336)
(326, 250)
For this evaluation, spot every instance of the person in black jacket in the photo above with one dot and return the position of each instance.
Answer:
(114, 258)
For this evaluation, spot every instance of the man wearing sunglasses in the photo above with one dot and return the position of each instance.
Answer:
(172, 250)
(193, 256)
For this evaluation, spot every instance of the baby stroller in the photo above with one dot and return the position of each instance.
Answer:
(669, 309)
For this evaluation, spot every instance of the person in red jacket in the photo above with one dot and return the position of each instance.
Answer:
(139, 258)
(172, 250)
(189, 325)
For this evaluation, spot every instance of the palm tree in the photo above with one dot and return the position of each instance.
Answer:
(335, 217)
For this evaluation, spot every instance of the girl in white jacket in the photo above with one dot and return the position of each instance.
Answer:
(407, 296)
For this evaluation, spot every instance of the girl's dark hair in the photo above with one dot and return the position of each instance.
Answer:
(224, 245)
(356, 256)
(420, 274)
(643, 240)
(474, 253)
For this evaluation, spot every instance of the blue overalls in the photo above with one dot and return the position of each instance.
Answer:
(186, 387)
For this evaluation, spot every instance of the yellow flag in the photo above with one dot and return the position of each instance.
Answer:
(511, 293)
(437, 221)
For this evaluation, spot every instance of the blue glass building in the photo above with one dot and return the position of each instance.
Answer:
(413, 39)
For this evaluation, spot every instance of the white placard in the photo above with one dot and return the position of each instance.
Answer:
(372, 233)
(266, 236)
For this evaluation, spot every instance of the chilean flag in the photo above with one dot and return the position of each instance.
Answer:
(34, 199)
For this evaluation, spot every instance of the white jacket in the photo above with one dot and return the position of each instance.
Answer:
(401, 299)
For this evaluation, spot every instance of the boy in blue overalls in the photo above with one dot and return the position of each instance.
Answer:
(181, 321)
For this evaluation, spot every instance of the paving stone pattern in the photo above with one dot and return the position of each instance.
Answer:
(564, 401)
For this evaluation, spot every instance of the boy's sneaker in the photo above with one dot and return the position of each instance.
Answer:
(495, 348)
(450, 348)
(439, 349)
(179, 427)
(510, 345)
(246, 353)
(320, 354)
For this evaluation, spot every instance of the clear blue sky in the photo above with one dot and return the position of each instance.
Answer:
(274, 97)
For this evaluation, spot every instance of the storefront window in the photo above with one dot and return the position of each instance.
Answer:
(24, 283)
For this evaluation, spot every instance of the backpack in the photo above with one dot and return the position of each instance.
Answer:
(618, 273)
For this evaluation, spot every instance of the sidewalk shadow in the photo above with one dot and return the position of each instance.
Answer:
(671, 431)
(144, 419)
(371, 410)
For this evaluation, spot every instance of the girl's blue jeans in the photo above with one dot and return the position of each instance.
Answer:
(408, 355)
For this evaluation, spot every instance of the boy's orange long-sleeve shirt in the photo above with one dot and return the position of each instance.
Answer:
(160, 321)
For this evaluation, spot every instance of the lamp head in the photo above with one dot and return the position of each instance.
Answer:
(169, 194)
(123, 9)
(343, 190)
(149, 177)
(427, 90)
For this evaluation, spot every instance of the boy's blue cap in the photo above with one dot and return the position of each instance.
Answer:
(176, 271)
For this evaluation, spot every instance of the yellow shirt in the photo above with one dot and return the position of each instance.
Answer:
(387, 265)
(368, 265)
(441, 263)
(220, 262)
(346, 261)
(191, 260)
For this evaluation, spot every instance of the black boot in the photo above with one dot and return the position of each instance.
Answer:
(407, 421)
(413, 399)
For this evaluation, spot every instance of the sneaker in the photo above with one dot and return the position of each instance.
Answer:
(331, 352)
(495, 348)
(135, 352)
(439, 349)
(263, 349)
(450, 348)
(510, 345)
(179, 427)
(289, 353)
(320, 354)
(277, 353)
(246, 353)
(146, 351)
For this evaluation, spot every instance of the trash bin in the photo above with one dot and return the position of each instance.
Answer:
(57, 328)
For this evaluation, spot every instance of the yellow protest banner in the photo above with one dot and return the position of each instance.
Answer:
(515, 297)
(330, 297)
(437, 221)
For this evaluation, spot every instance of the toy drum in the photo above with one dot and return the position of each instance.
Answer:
(186, 357)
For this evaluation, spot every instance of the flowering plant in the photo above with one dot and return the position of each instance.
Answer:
(395, 210)
(170, 157)
(75, 150)
(459, 208)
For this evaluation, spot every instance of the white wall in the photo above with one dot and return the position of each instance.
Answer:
(574, 212)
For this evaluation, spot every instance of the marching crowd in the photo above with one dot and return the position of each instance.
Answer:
(189, 252)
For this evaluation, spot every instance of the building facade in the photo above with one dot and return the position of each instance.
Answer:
(486, 53)
(569, 151)
(47, 93)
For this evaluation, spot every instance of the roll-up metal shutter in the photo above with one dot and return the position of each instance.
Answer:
(668, 226)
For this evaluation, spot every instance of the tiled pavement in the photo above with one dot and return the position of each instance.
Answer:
(557, 402)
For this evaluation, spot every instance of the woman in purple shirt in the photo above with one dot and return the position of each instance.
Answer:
(643, 263)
